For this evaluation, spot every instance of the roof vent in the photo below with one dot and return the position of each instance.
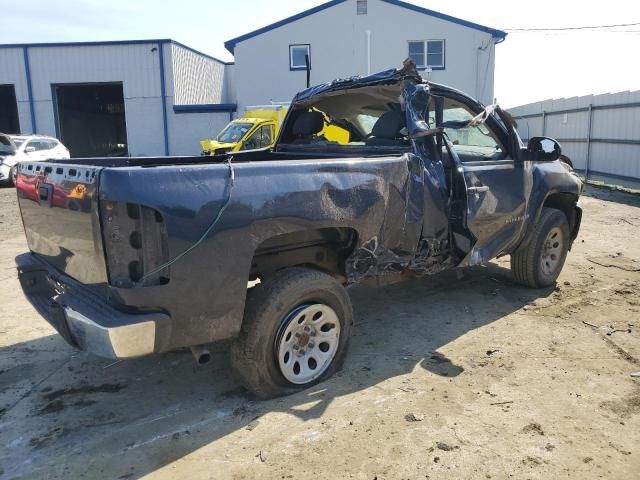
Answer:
(361, 7)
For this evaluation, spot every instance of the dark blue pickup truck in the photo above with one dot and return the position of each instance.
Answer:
(130, 257)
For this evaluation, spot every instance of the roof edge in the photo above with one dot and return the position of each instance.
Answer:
(497, 34)
(112, 43)
(231, 44)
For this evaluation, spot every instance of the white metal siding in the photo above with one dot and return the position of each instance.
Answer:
(187, 129)
(12, 72)
(619, 123)
(338, 49)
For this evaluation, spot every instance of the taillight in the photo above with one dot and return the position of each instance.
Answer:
(135, 242)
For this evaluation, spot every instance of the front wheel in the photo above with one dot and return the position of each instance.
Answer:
(539, 261)
(295, 332)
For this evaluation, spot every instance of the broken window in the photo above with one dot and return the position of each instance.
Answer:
(472, 143)
(366, 117)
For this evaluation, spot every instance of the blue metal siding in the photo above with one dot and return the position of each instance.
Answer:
(163, 96)
(27, 70)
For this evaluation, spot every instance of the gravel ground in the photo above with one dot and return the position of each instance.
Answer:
(446, 378)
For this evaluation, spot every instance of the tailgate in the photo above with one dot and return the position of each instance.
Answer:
(59, 208)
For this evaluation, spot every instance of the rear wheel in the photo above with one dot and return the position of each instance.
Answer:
(295, 332)
(538, 262)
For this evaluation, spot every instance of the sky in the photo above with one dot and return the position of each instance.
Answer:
(530, 66)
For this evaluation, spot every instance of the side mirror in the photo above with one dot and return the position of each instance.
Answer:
(29, 149)
(543, 149)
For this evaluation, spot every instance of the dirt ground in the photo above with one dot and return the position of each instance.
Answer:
(446, 379)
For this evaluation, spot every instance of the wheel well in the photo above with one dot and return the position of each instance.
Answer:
(324, 248)
(565, 202)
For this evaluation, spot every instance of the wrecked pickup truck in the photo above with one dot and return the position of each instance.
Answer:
(136, 256)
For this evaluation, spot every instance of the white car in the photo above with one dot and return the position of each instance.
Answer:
(26, 148)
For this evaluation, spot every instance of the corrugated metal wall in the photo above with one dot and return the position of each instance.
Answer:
(196, 79)
(600, 133)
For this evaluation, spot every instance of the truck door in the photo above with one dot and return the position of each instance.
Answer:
(494, 181)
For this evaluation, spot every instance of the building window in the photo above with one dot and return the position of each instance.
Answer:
(297, 54)
(427, 53)
(416, 53)
(361, 7)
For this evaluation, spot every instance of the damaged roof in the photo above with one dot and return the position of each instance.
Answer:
(497, 34)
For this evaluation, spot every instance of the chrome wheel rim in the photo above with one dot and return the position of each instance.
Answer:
(307, 343)
(552, 251)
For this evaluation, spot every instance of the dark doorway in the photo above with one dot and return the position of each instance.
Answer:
(91, 121)
(9, 122)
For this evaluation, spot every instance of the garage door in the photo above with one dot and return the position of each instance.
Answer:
(91, 119)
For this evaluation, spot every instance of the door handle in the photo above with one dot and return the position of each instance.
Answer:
(479, 189)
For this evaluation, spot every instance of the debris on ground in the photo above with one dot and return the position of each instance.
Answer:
(590, 324)
(252, 424)
(533, 427)
(617, 261)
(446, 447)
(414, 417)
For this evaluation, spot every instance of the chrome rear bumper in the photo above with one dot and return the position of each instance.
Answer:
(84, 319)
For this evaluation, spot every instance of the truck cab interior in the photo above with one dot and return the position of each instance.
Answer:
(374, 118)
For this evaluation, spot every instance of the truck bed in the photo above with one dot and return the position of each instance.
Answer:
(108, 223)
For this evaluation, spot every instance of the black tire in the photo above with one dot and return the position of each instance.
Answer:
(527, 261)
(267, 310)
(12, 176)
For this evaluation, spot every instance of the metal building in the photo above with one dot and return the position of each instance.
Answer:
(143, 97)
(159, 97)
(354, 37)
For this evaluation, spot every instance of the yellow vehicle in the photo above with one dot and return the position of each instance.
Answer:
(258, 128)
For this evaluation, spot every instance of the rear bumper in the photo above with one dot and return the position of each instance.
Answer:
(84, 319)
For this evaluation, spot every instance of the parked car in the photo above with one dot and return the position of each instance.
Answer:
(28, 148)
(259, 246)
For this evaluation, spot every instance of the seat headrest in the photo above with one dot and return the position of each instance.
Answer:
(388, 125)
(308, 123)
